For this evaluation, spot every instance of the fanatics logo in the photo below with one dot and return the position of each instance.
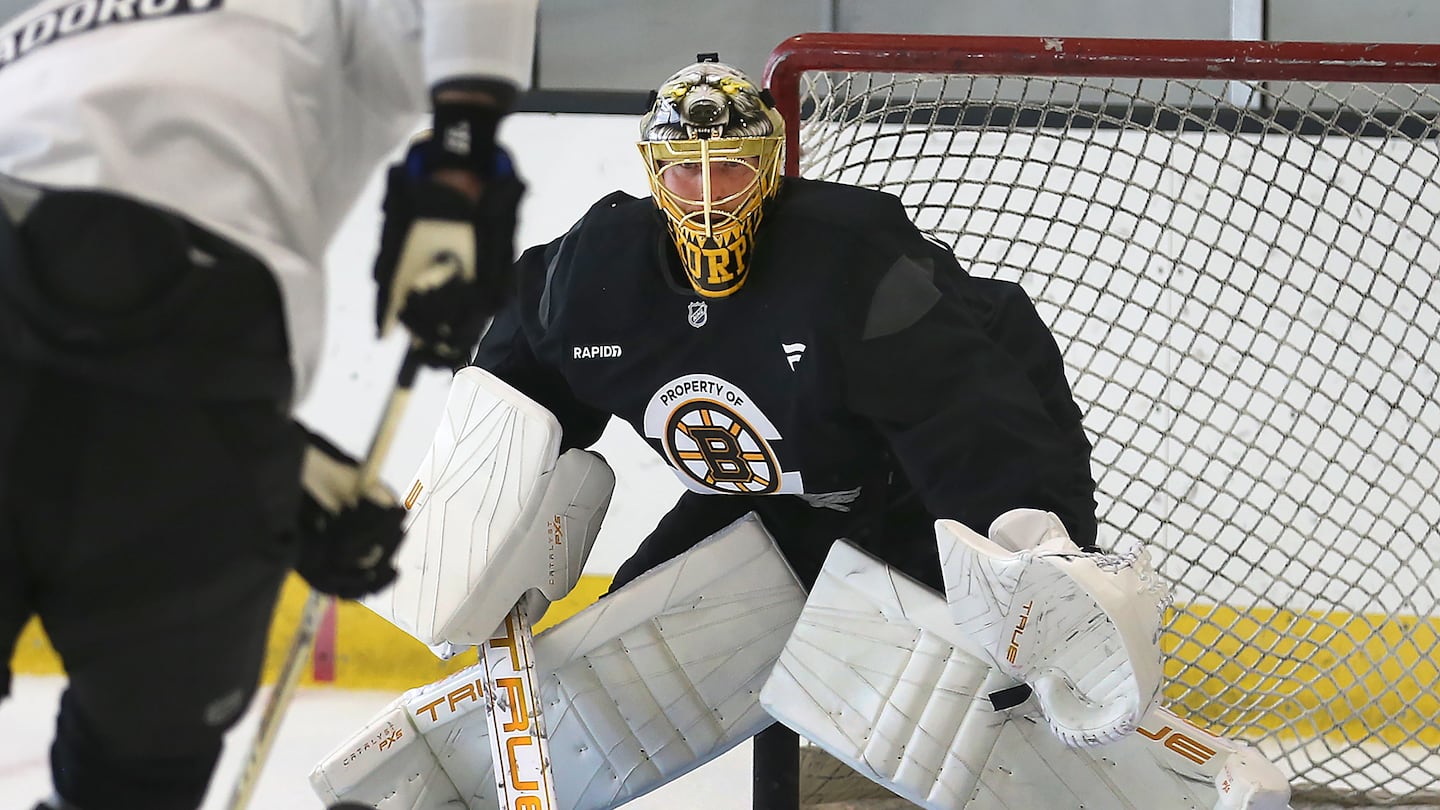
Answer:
(588, 352)
(793, 352)
(698, 314)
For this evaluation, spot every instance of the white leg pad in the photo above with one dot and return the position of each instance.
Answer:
(389, 763)
(642, 687)
(494, 515)
(1030, 767)
(878, 675)
(1082, 629)
(1243, 778)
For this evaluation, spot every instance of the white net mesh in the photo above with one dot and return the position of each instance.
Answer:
(1242, 277)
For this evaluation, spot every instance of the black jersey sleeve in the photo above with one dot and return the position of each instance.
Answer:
(507, 352)
(966, 383)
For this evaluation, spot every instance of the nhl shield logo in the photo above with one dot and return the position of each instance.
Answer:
(698, 313)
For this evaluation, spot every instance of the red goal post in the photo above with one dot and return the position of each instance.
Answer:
(1236, 245)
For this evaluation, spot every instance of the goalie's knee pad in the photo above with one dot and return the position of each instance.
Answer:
(494, 516)
(1083, 629)
(641, 687)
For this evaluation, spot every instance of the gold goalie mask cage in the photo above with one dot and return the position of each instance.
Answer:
(713, 144)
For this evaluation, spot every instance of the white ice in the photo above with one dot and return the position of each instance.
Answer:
(318, 720)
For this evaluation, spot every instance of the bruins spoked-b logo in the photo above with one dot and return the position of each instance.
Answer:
(716, 439)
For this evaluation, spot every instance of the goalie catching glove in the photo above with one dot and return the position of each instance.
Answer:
(347, 537)
(445, 257)
(1081, 628)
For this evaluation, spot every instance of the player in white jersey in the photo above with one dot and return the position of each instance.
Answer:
(171, 174)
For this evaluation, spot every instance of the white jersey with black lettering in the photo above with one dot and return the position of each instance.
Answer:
(259, 119)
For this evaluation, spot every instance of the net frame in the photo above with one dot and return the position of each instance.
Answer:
(1248, 663)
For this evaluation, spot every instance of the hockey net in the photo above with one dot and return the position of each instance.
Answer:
(1236, 246)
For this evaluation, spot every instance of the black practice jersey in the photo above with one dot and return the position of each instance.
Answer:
(859, 385)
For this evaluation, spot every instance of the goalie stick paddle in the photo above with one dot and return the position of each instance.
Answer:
(303, 641)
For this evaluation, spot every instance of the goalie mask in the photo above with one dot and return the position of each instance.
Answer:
(712, 144)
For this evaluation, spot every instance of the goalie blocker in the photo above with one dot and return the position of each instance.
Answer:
(879, 675)
(494, 516)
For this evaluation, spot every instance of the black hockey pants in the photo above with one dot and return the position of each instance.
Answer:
(902, 537)
(148, 479)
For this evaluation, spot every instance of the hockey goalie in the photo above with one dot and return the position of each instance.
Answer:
(799, 349)
(1031, 683)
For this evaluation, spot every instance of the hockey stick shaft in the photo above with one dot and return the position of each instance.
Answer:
(302, 643)
(390, 422)
(519, 743)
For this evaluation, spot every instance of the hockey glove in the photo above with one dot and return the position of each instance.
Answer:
(1082, 629)
(347, 538)
(444, 264)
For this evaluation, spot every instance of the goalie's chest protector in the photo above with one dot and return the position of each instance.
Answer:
(741, 395)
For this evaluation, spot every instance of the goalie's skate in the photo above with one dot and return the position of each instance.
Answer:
(1082, 629)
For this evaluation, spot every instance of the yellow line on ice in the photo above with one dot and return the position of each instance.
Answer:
(370, 653)
(1307, 675)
